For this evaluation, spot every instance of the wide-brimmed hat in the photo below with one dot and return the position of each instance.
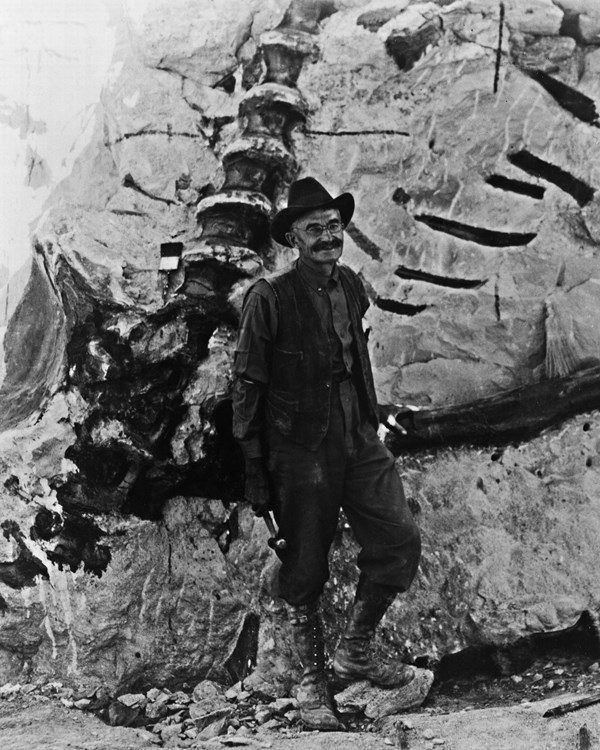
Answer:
(308, 195)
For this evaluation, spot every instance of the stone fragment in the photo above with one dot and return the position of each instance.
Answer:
(9, 689)
(263, 714)
(133, 699)
(428, 734)
(82, 703)
(170, 731)
(146, 735)
(156, 710)
(181, 697)
(281, 705)
(595, 667)
(396, 700)
(120, 715)
(540, 17)
(203, 718)
(207, 691)
(215, 729)
(354, 698)
(272, 724)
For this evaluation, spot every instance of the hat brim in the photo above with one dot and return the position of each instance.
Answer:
(283, 220)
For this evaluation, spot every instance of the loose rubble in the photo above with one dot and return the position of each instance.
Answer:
(233, 716)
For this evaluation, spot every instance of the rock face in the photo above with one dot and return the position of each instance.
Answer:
(467, 132)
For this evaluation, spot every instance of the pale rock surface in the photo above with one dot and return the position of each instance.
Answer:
(127, 558)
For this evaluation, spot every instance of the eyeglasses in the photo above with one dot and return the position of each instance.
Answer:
(317, 230)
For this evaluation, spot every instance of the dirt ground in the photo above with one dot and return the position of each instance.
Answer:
(51, 726)
(477, 711)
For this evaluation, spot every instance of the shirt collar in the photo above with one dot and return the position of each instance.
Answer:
(314, 278)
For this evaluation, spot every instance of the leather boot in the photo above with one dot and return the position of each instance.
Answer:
(353, 659)
(315, 704)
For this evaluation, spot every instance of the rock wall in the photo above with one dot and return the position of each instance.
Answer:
(468, 133)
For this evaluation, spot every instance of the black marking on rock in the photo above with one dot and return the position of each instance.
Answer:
(337, 133)
(407, 47)
(400, 308)
(432, 278)
(129, 182)
(533, 165)
(480, 235)
(516, 186)
(499, 48)
(365, 244)
(573, 101)
(123, 212)
(22, 571)
(401, 197)
(3, 606)
(75, 539)
(169, 132)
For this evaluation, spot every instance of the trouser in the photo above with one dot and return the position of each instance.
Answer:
(352, 470)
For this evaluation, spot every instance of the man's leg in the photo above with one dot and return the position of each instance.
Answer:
(383, 525)
(307, 488)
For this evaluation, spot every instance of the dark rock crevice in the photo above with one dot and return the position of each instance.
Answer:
(503, 660)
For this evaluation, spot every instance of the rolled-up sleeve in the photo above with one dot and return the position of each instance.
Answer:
(251, 367)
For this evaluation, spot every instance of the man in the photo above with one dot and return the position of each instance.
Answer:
(305, 414)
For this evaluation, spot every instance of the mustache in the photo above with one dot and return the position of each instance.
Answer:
(328, 245)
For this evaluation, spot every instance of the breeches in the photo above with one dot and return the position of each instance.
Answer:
(352, 470)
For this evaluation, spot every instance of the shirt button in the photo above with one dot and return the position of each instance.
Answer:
(327, 385)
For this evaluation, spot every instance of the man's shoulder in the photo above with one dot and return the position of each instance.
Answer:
(268, 285)
(276, 279)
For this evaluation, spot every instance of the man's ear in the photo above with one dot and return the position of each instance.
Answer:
(291, 238)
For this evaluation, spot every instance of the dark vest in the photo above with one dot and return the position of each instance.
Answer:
(298, 398)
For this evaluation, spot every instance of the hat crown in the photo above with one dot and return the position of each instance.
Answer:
(308, 193)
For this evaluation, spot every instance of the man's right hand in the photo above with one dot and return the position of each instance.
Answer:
(256, 489)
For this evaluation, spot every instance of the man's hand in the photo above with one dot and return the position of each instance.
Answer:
(256, 489)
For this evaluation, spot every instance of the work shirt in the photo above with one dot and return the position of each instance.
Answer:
(258, 332)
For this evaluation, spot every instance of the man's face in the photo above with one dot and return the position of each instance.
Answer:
(317, 247)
